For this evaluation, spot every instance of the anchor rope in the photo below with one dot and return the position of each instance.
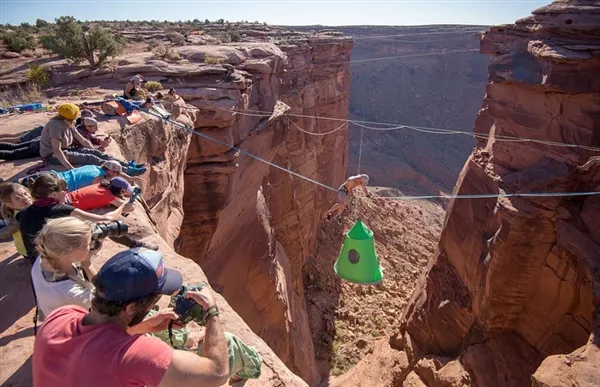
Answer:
(419, 197)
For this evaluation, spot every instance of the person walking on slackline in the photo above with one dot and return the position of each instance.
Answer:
(345, 194)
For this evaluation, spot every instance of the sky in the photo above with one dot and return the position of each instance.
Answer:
(282, 12)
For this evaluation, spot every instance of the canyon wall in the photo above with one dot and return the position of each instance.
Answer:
(517, 280)
(429, 76)
(252, 226)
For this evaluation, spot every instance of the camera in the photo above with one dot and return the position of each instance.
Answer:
(112, 229)
(186, 308)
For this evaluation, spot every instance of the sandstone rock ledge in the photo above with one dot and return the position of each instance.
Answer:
(165, 147)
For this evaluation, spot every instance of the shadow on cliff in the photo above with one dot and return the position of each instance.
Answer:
(22, 377)
(17, 295)
(322, 288)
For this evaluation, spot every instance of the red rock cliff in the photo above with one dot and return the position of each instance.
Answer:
(255, 225)
(517, 280)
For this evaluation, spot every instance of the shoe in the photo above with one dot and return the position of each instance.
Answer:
(134, 171)
(133, 164)
(338, 219)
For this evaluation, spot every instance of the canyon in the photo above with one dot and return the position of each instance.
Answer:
(500, 292)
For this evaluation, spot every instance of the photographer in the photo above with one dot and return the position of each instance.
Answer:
(49, 193)
(95, 348)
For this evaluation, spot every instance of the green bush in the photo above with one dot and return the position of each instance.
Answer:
(18, 41)
(234, 36)
(153, 86)
(176, 38)
(70, 41)
(41, 23)
(38, 74)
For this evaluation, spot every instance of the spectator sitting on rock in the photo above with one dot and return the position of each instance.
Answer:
(345, 193)
(77, 178)
(108, 346)
(50, 195)
(58, 136)
(133, 88)
(14, 198)
(20, 146)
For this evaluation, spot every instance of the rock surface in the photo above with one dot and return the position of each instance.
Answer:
(517, 280)
(146, 140)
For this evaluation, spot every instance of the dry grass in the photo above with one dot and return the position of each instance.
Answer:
(20, 95)
(166, 52)
(212, 60)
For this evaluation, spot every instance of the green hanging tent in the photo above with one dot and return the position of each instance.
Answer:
(358, 261)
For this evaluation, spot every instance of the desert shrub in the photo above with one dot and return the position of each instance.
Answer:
(70, 41)
(212, 60)
(176, 38)
(153, 86)
(38, 75)
(41, 23)
(18, 40)
(138, 39)
(165, 52)
(234, 36)
(152, 45)
(20, 95)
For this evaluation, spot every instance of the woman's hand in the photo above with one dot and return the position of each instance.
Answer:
(157, 323)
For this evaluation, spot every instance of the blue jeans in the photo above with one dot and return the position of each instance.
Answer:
(85, 156)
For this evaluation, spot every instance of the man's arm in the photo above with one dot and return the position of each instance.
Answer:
(211, 369)
(131, 179)
(59, 154)
(82, 140)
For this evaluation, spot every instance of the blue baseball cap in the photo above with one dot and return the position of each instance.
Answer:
(119, 182)
(136, 273)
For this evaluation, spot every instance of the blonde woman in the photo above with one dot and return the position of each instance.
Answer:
(14, 198)
(61, 275)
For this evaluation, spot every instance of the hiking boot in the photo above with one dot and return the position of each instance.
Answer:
(135, 171)
(133, 164)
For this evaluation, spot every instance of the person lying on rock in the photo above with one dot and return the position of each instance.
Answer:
(88, 128)
(133, 88)
(592, 161)
(109, 345)
(14, 197)
(115, 192)
(22, 146)
(50, 195)
(345, 194)
(80, 177)
(19, 138)
(58, 135)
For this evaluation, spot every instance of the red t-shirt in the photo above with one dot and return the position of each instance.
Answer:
(68, 354)
(90, 197)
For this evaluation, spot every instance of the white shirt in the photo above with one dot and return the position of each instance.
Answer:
(53, 295)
